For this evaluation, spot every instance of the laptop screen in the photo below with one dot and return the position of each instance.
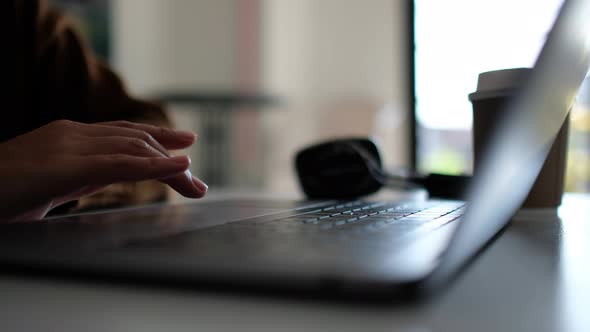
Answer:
(525, 135)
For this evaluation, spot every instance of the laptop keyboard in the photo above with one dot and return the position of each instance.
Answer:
(382, 223)
(361, 217)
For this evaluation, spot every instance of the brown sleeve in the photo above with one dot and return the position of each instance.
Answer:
(70, 68)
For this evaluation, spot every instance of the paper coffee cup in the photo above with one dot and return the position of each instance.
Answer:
(495, 89)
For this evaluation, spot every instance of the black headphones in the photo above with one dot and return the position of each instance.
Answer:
(350, 168)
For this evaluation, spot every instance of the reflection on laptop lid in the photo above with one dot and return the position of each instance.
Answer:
(525, 135)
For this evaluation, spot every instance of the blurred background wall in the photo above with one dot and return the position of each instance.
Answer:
(335, 66)
(175, 44)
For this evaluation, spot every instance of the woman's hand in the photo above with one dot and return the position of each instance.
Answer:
(66, 160)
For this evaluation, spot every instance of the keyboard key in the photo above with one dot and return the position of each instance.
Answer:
(339, 222)
(357, 218)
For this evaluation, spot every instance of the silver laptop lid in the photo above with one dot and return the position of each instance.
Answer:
(525, 136)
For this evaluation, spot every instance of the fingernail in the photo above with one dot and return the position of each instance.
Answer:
(200, 185)
(188, 135)
(181, 160)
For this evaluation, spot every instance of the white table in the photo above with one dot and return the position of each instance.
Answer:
(535, 277)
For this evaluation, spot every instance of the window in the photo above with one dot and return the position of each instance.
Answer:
(455, 41)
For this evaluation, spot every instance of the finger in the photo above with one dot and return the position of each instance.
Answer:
(170, 138)
(85, 191)
(116, 145)
(186, 185)
(183, 183)
(108, 169)
(97, 130)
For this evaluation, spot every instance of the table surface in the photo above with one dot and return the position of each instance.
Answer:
(535, 277)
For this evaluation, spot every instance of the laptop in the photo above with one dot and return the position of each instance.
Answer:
(394, 249)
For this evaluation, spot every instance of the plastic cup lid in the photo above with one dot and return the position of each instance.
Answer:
(499, 83)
